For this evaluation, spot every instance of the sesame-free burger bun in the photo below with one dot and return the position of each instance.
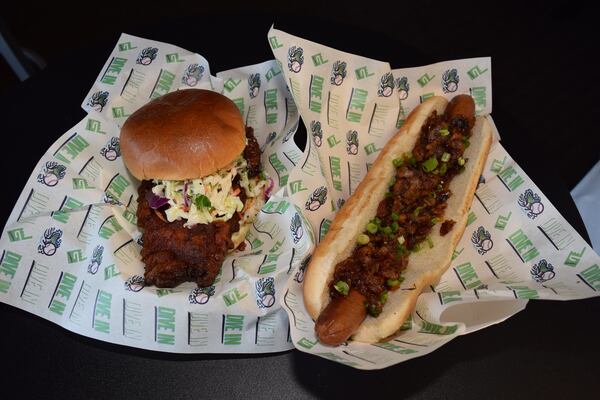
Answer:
(187, 134)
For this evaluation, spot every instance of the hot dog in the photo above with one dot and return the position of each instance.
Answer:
(396, 233)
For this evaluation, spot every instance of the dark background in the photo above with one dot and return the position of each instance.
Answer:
(544, 83)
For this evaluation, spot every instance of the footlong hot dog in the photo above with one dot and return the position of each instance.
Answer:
(395, 235)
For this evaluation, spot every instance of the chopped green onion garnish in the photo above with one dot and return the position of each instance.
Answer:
(411, 159)
(387, 230)
(443, 169)
(395, 216)
(401, 239)
(362, 239)
(201, 201)
(393, 282)
(401, 249)
(435, 220)
(444, 132)
(418, 211)
(466, 142)
(342, 287)
(377, 221)
(445, 157)
(461, 161)
(372, 228)
(383, 298)
(392, 182)
(429, 242)
(416, 248)
(398, 162)
(395, 227)
(430, 164)
(388, 194)
(372, 308)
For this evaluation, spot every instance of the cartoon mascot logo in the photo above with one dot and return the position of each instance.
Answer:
(450, 81)
(403, 87)
(482, 240)
(531, 203)
(543, 271)
(253, 85)
(352, 143)
(98, 100)
(340, 203)
(135, 283)
(338, 73)
(296, 228)
(316, 199)
(299, 277)
(147, 56)
(317, 133)
(108, 198)
(270, 138)
(201, 295)
(96, 260)
(112, 150)
(192, 75)
(50, 241)
(295, 59)
(386, 85)
(52, 172)
(265, 291)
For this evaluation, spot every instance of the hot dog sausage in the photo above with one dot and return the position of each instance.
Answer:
(461, 106)
(341, 318)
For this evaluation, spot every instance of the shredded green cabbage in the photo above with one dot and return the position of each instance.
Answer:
(224, 201)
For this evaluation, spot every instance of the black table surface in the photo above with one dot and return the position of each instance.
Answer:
(548, 350)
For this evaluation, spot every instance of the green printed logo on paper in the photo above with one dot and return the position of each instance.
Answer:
(296, 228)
(543, 271)
(502, 221)
(119, 112)
(450, 296)
(165, 325)
(482, 240)
(173, 58)
(371, 148)
(18, 234)
(476, 71)
(426, 96)
(272, 73)
(113, 70)
(450, 81)
(574, 257)
(274, 42)
(117, 186)
(358, 102)
(93, 125)
(233, 326)
(68, 205)
(253, 85)
(239, 103)
(479, 96)
(338, 73)
(9, 263)
(430, 327)
(306, 343)
(63, 292)
(319, 60)
(510, 178)
(109, 227)
(523, 292)
(362, 73)
(147, 55)
(395, 348)
(101, 321)
(522, 246)
(265, 292)
(472, 217)
(467, 275)
(126, 46)
(297, 186)
(325, 224)
(277, 207)
(81, 183)
(332, 140)
(457, 253)
(336, 172)
(316, 91)
(110, 271)
(316, 133)
(50, 241)
(231, 84)
(425, 79)
(233, 296)
(192, 75)
(316, 199)
(71, 149)
(75, 256)
(98, 100)
(591, 277)
(271, 105)
(279, 168)
(386, 85)
(201, 295)
(531, 203)
(497, 165)
(295, 59)
(403, 87)
(163, 84)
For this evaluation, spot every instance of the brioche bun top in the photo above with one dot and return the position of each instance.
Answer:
(187, 134)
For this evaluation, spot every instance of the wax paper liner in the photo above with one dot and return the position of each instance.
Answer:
(516, 245)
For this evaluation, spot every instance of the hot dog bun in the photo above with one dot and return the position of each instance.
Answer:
(425, 267)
